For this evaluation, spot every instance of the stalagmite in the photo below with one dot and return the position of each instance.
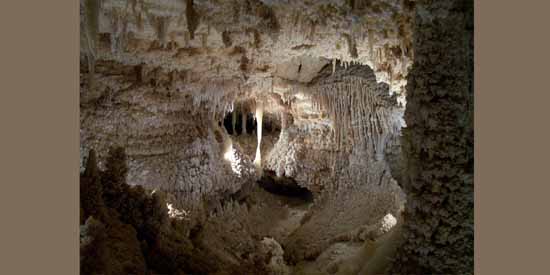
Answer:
(259, 117)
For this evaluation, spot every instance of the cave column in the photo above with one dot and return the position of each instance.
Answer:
(443, 36)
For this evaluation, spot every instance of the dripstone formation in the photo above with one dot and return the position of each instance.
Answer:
(276, 137)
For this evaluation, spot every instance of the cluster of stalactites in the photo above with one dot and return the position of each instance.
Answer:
(359, 116)
(243, 107)
(344, 63)
(217, 97)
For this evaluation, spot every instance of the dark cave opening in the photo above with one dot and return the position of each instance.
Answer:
(271, 124)
(228, 123)
(284, 186)
(250, 123)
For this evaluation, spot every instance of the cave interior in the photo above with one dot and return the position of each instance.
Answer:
(276, 137)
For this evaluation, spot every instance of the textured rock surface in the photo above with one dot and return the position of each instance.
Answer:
(277, 265)
(346, 160)
(170, 145)
(438, 142)
(161, 77)
(347, 103)
(156, 75)
(236, 39)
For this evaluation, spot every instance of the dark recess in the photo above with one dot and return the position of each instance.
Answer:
(283, 186)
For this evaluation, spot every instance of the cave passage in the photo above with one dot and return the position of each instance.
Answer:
(250, 123)
(269, 126)
(284, 186)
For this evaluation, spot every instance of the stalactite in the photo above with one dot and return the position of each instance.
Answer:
(192, 18)
(259, 119)
(233, 121)
(352, 48)
(243, 120)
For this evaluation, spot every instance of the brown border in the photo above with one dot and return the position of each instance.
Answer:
(511, 137)
(39, 137)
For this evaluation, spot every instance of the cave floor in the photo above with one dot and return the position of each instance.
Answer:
(352, 258)
(342, 258)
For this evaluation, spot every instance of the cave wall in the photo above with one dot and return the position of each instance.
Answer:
(342, 110)
(438, 143)
(149, 68)
(171, 138)
(161, 73)
(238, 39)
(339, 154)
(303, 154)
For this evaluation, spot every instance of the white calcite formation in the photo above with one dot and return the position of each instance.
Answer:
(231, 40)
(344, 123)
(324, 81)
(202, 56)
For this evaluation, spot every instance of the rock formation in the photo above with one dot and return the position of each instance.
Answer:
(366, 105)
(438, 143)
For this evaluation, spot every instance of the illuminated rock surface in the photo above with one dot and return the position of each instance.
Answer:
(365, 104)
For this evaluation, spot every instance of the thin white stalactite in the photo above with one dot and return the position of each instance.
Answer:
(243, 119)
(233, 121)
(259, 119)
